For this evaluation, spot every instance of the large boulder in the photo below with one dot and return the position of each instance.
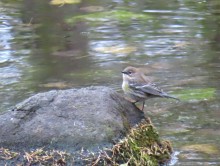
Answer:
(89, 117)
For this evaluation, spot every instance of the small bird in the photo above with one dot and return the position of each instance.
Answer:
(139, 88)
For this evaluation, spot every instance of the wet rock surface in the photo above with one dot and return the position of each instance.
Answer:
(69, 119)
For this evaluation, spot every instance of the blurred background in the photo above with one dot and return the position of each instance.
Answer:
(61, 44)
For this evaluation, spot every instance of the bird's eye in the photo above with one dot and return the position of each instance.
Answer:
(129, 72)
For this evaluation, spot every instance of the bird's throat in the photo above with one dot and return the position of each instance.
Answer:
(125, 86)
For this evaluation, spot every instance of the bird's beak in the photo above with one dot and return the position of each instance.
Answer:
(124, 72)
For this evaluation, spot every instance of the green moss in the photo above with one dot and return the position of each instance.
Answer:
(196, 94)
(118, 15)
(140, 147)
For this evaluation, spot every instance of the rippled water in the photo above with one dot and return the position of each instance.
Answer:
(44, 46)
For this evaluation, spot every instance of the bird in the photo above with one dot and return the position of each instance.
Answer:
(139, 88)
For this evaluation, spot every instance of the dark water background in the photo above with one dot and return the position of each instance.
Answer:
(45, 46)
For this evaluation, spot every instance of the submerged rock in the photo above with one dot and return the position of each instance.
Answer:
(69, 119)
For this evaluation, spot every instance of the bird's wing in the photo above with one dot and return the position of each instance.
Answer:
(147, 88)
(151, 89)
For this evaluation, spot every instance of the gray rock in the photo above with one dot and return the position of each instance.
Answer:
(89, 117)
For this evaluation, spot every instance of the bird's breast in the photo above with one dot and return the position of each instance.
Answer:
(125, 86)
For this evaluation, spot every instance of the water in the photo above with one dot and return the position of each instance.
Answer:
(44, 46)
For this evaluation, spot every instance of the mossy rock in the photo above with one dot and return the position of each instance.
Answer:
(141, 146)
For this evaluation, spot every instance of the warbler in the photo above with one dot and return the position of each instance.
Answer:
(139, 88)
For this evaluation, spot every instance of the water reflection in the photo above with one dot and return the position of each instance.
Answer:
(45, 47)
(10, 69)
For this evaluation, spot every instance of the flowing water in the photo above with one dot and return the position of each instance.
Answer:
(48, 45)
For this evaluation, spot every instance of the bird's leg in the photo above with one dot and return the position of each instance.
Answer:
(143, 106)
(142, 109)
(134, 103)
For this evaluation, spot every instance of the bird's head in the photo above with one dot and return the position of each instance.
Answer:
(130, 72)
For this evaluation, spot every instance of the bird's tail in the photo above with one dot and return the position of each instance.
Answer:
(171, 97)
